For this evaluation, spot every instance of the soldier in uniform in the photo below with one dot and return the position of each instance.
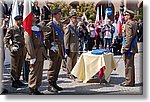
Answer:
(71, 42)
(36, 54)
(17, 50)
(54, 42)
(129, 49)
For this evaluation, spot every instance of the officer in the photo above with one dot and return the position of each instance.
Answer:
(71, 42)
(129, 49)
(17, 50)
(36, 54)
(54, 42)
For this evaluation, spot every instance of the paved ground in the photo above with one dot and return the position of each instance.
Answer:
(92, 88)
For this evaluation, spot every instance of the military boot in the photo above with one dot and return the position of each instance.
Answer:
(57, 87)
(17, 84)
(51, 87)
(35, 92)
(31, 91)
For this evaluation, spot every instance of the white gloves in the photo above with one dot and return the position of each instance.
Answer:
(54, 48)
(35, 28)
(15, 48)
(32, 61)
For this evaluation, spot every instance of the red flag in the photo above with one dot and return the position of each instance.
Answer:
(27, 16)
(119, 26)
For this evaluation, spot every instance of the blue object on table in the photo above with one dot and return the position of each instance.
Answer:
(99, 51)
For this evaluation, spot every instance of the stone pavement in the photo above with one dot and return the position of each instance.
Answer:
(76, 87)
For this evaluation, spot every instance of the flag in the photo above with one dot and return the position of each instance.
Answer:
(27, 16)
(97, 14)
(106, 17)
(101, 14)
(14, 13)
(84, 16)
(119, 25)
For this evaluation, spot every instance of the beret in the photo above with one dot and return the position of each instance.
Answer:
(54, 12)
(18, 17)
(129, 12)
(73, 13)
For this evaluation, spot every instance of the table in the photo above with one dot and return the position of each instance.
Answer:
(89, 64)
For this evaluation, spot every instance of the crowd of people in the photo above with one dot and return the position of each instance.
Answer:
(53, 39)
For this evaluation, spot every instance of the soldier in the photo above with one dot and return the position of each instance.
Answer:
(129, 49)
(36, 54)
(71, 42)
(17, 50)
(54, 42)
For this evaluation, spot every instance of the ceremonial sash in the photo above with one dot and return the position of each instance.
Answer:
(74, 30)
(59, 33)
(58, 30)
(39, 35)
(132, 44)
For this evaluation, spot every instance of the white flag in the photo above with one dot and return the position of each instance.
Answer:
(14, 13)
(97, 14)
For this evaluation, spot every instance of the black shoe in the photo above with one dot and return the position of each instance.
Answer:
(38, 92)
(21, 83)
(52, 89)
(57, 87)
(35, 92)
(126, 85)
(15, 84)
(4, 91)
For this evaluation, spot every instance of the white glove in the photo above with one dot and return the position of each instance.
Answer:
(35, 28)
(14, 49)
(32, 61)
(54, 49)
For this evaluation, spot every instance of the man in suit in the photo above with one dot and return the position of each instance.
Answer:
(71, 41)
(54, 42)
(17, 50)
(46, 12)
(4, 8)
(129, 49)
(36, 10)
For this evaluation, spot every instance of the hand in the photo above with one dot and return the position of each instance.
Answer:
(123, 50)
(32, 61)
(35, 28)
(14, 49)
(68, 52)
(54, 48)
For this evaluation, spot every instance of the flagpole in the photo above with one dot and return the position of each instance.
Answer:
(101, 14)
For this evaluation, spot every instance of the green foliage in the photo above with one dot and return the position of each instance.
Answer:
(141, 11)
(62, 5)
(88, 8)
(137, 17)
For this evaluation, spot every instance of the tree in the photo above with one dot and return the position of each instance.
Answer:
(88, 8)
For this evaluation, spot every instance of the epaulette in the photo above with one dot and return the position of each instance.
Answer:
(67, 26)
(49, 23)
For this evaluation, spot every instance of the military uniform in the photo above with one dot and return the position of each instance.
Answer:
(71, 44)
(35, 48)
(16, 36)
(52, 39)
(129, 36)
